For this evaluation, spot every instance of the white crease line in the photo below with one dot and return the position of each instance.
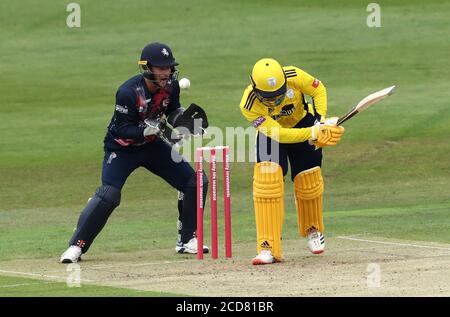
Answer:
(25, 284)
(84, 266)
(40, 275)
(395, 243)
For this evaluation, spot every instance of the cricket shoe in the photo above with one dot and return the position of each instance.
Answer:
(264, 257)
(189, 247)
(72, 255)
(316, 242)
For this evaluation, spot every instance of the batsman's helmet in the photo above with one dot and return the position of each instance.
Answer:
(269, 82)
(158, 55)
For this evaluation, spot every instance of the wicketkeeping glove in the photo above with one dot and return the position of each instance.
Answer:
(194, 119)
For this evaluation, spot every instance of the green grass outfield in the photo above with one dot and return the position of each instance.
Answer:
(390, 176)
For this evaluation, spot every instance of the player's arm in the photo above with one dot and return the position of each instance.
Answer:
(319, 134)
(125, 124)
(313, 87)
(271, 128)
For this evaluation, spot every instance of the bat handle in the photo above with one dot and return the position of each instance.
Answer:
(345, 118)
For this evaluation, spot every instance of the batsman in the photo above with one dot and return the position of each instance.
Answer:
(288, 129)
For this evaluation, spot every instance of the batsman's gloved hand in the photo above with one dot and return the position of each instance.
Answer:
(326, 134)
(330, 120)
(153, 127)
(194, 119)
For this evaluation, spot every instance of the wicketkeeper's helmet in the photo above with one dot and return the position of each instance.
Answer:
(269, 82)
(158, 55)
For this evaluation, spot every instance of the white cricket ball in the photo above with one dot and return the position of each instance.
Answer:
(184, 83)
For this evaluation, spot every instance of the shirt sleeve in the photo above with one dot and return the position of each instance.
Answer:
(126, 119)
(313, 87)
(271, 128)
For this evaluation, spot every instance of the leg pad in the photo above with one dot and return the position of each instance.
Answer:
(308, 189)
(268, 199)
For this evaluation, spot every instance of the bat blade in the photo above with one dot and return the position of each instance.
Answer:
(366, 102)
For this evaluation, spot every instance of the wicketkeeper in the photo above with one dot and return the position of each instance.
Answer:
(289, 128)
(139, 136)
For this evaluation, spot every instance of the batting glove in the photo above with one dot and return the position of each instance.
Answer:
(326, 135)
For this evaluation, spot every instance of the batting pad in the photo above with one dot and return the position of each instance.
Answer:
(268, 196)
(308, 190)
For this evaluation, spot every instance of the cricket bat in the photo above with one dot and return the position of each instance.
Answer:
(365, 103)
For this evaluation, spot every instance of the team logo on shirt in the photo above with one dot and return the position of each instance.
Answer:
(165, 102)
(272, 81)
(290, 93)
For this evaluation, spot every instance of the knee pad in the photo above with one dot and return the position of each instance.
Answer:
(109, 194)
(268, 199)
(308, 190)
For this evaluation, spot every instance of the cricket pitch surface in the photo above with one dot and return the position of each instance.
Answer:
(358, 265)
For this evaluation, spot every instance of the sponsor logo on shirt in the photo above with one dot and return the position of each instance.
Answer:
(316, 83)
(258, 121)
(122, 109)
(285, 111)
